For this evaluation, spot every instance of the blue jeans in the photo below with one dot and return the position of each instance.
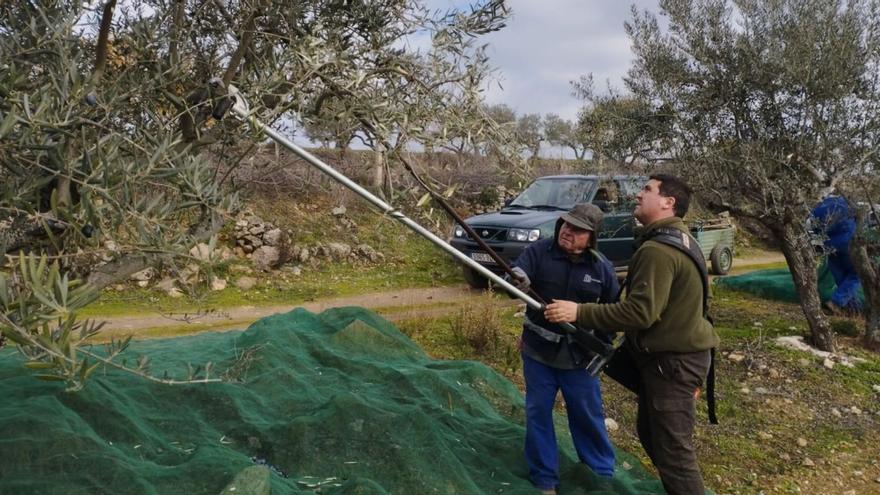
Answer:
(586, 421)
(846, 294)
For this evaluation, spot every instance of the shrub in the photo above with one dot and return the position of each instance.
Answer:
(480, 328)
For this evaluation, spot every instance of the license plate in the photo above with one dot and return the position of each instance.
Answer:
(482, 258)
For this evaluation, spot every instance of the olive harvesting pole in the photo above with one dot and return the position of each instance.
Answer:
(586, 338)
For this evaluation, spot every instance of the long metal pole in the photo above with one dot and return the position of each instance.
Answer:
(240, 108)
(603, 351)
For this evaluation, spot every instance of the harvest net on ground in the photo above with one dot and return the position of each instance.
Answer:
(336, 403)
(777, 284)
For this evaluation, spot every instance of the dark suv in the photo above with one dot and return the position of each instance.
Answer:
(532, 215)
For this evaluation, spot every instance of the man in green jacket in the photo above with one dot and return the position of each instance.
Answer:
(668, 338)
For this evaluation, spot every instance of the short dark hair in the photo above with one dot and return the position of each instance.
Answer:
(672, 186)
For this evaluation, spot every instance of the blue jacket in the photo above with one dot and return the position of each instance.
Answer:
(554, 276)
(835, 218)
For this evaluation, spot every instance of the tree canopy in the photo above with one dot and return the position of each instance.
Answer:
(771, 104)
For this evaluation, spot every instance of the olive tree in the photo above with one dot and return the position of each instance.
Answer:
(864, 250)
(114, 153)
(772, 103)
(530, 133)
(620, 129)
(561, 132)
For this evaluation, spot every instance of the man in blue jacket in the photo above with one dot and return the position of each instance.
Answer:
(835, 218)
(568, 266)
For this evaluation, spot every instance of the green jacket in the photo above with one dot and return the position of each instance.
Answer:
(663, 309)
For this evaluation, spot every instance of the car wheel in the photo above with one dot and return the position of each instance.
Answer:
(474, 279)
(721, 259)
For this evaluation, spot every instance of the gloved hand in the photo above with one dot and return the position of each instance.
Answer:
(521, 280)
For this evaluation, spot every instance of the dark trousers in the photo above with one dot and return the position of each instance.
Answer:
(666, 383)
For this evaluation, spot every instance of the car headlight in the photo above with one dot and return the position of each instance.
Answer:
(523, 235)
(458, 231)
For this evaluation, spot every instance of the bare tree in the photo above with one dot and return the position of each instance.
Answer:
(771, 105)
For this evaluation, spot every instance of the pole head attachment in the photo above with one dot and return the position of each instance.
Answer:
(240, 106)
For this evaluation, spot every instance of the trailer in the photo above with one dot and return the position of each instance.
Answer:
(716, 242)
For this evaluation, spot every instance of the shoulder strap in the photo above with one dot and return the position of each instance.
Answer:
(686, 243)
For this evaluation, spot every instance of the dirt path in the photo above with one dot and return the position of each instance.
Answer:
(394, 305)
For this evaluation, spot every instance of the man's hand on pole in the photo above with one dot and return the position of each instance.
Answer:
(520, 280)
(561, 311)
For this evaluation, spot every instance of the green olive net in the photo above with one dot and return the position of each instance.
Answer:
(335, 403)
(778, 285)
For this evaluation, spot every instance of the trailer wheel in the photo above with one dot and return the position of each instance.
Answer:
(721, 258)
(473, 278)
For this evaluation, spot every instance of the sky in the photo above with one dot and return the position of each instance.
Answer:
(548, 43)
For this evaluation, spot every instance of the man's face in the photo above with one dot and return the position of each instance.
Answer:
(651, 206)
(573, 240)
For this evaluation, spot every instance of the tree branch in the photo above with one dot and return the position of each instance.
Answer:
(130, 264)
(246, 40)
(103, 44)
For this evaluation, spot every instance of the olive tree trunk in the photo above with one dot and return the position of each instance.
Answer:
(802, 262)
(863, 251)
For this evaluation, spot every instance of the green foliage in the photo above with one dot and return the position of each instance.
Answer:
(38, 313)
(762, 95)
(530, 132)
(38, 307)
(561, 132)
(113, 154)
(624, 130)
(489, 196)
(757, 96)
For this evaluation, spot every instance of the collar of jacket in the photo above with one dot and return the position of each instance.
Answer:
(642, 233)
(557, 252)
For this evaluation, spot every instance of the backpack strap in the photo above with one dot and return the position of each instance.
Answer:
(686, 243)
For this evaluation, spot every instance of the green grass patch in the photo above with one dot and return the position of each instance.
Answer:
(759, 266)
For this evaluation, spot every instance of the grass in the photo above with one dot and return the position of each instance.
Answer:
(410, 261)
(783, 414)
(758, 266)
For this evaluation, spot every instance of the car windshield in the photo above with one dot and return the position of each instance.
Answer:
(556, 194)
